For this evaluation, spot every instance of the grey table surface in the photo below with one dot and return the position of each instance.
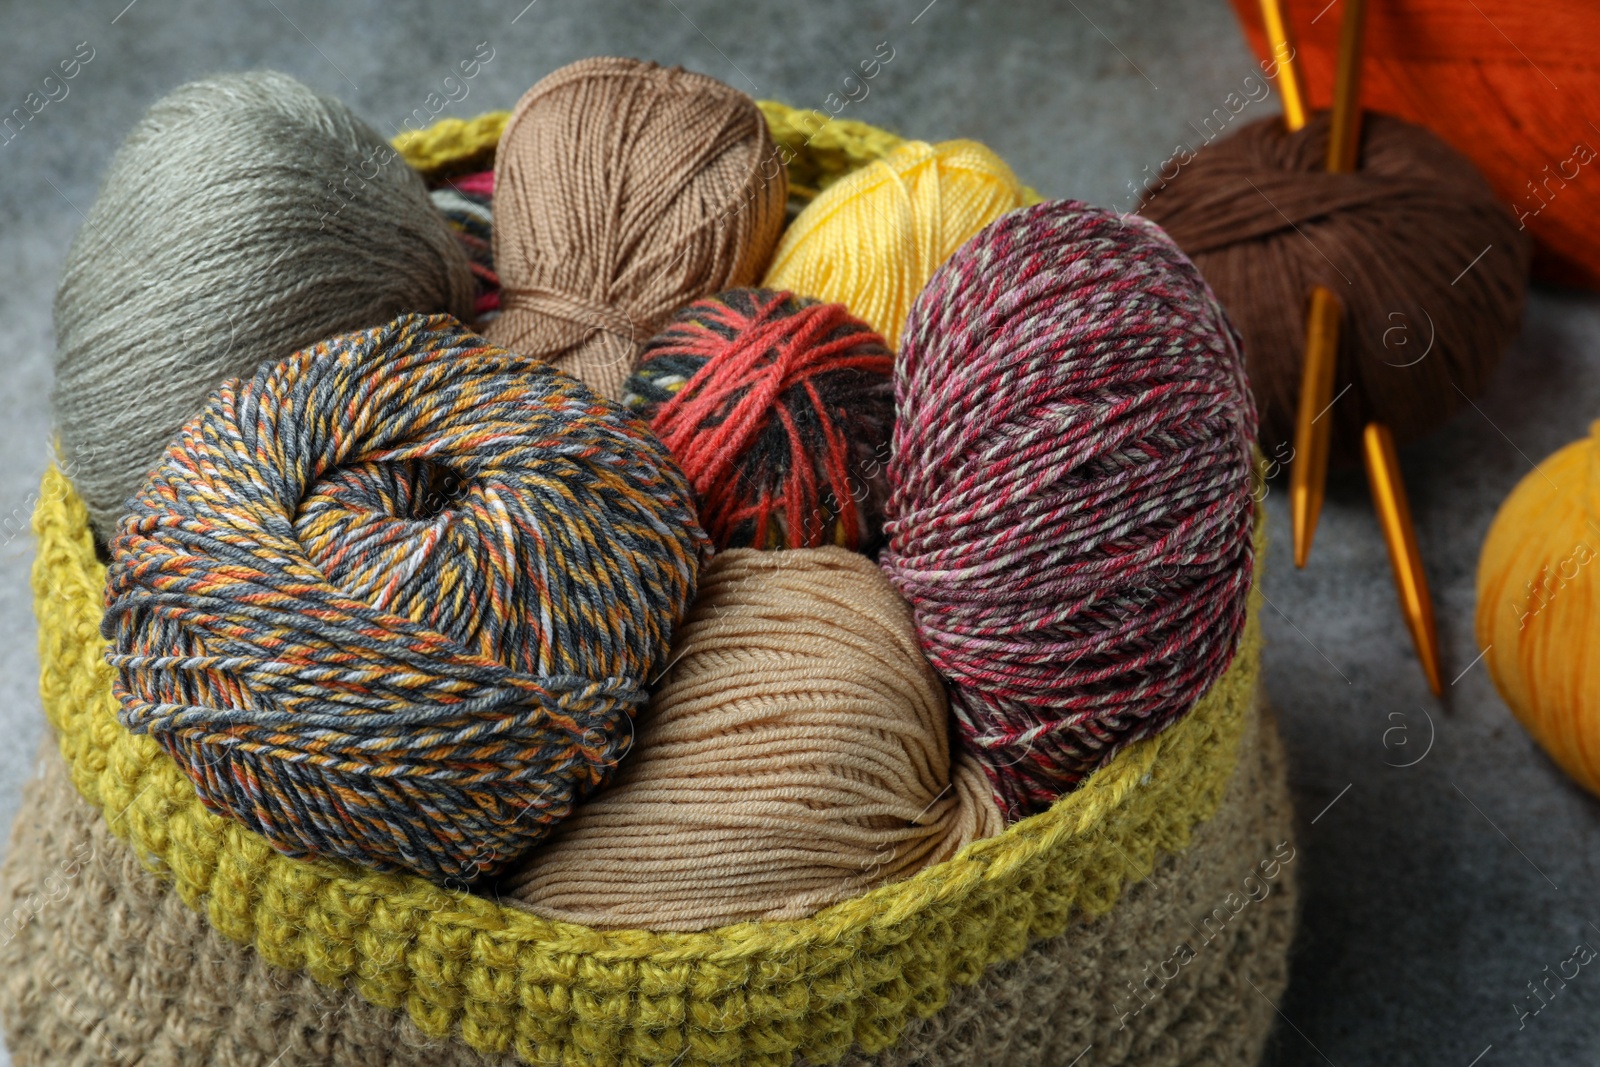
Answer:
(1433, 893)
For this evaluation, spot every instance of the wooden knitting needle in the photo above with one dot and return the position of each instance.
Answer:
(1308, 472)
(1394, 515)
(1296, 112)
(1308, 477)
(1309, 466)
(1384, 479)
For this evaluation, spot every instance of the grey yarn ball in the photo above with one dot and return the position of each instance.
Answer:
(246, 216)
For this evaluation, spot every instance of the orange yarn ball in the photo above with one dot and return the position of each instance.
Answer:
(1539, 606)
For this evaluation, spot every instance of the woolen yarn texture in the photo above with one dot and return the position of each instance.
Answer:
(462, 970)
(796, 753)
(1462, 70)
(1539, 602)
(1071, 491)
(780, 410)
(505, 981)
(396, 598)
(1431, 268)
(624, 190)
(466, 203)
(110, 958)
(872, 239)
(1109, 982)
(245, 216)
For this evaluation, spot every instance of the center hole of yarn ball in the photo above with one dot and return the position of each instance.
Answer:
(373, 528)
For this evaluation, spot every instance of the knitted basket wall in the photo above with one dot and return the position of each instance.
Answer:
(141, 928)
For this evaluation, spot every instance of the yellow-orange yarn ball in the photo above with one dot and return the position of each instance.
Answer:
(1539, 606)
(875, 237)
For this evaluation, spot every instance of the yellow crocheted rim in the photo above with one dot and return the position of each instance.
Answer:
(507, 982)
(819, 149)
(452, 144)
(556, 993)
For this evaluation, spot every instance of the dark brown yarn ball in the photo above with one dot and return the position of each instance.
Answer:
(1264, 223)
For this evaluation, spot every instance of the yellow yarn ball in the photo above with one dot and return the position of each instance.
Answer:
(1539, 606)
(873, 239)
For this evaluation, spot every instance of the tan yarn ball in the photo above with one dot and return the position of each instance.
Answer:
(623, 191)
(797, 754)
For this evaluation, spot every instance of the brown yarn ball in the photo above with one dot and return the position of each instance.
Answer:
(796, 754)
(1398, 241)
(622, 191)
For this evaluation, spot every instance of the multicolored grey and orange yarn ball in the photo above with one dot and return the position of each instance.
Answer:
(396, 598)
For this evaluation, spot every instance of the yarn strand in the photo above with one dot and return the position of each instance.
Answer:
(1071, 505)
(395, 598)
(624, 191)
(780, 410)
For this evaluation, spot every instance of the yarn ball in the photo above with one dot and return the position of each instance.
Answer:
(1430, 267)
(467, 204)
(796, 754)
(872, 239)
(1511, 84)
(1071, 496)
(779, 409)
(396, 598)
(623, 191)
(245, 216)
(1538, 602)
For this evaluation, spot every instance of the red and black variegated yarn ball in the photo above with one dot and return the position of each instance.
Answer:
(780, 410)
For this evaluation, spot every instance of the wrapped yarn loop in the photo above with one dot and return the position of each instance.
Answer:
(1070, 490)
(796, 754)
(780, 410)
(245, 216)
(395, 598)
(1394, 240)
(624, 190)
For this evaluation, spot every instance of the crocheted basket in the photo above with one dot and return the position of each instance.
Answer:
(1148, 914)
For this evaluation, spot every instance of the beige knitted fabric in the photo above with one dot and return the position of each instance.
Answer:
(623, 191)
(797, 754)
(102, 965)
(108, 968)
(1078, 989)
